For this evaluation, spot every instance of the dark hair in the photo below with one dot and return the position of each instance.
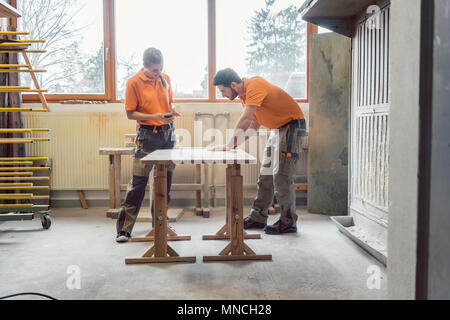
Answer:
(154, 56)
(225, 77)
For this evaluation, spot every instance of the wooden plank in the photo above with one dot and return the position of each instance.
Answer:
(120, 151)
(159, 260)
(172, 252)
(117, 176)
(198, 193)
(248, 250)
(237, 216)
(236, 257)
(226, 250)
(36, 83)
(169, 238)
(173, 215)
(82, 199)
(198, 156)
(228, 196)
(160, 212)
(175, 187)
(226, 236)
(112, 186)
(206, 211)
(149, 253)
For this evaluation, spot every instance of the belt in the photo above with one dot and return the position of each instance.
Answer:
(152, 128)
(290, 137)
(295, 121)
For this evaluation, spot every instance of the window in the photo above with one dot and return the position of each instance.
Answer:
(98, 44)
(178, 28)
(74, 46)
(261, 39)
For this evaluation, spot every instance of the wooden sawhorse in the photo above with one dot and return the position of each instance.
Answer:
(225, 232)
(115, 163)
(160, 252)
(237, 249)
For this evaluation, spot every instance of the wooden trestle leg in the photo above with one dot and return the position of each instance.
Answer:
(161, 252)
(236, 249)
(225, 232)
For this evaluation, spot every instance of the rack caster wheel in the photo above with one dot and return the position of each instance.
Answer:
(46, 221)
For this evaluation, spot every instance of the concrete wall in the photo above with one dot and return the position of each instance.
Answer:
(329, 124)
(404, 147)
(439, 235)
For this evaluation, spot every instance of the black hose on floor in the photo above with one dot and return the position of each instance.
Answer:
(28, 294)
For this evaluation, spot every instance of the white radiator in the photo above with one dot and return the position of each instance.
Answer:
(77, 136)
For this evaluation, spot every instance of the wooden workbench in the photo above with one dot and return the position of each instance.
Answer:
(236, 249)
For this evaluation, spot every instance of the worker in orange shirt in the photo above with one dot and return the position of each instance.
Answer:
(268, 105)
(148, 100)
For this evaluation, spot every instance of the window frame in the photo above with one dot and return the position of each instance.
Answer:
(109, 37)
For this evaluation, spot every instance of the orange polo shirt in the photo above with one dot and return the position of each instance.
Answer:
(148, 96)
(275, 107)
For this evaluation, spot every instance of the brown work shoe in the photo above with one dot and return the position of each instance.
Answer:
(252, 224)
(279, 228)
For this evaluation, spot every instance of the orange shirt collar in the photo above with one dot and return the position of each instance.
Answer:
(143, 77)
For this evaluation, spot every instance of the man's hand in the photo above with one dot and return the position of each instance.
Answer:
(219, 148)
(160, 117)
(175, 114)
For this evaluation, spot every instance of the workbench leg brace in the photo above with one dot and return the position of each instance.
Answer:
(161, 252)
(225, 232)
(115, 163)
(236, 249)
(171, 234)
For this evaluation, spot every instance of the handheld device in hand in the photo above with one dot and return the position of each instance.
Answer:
(168, 115)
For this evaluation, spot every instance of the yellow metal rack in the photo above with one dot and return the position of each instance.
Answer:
(17, 173)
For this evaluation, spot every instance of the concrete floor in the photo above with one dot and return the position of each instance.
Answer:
(317, 263)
